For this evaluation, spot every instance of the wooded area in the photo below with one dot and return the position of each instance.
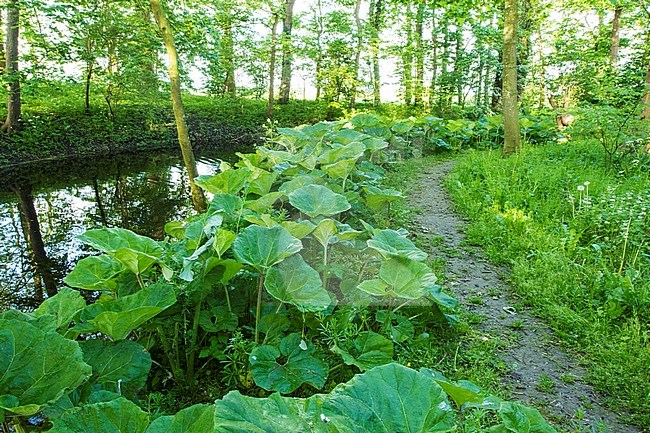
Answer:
(297, 286)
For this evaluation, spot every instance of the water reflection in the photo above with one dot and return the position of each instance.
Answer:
(44, 207)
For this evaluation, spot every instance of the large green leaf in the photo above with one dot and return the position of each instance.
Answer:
(389, 399)
(365, 119)
(94, 273)
(64, 306)
(263, 247)
(518, 418)
(286, 369)
(325, 232)
(340, 169)
(230, 181)
(117, 318)
(135, 252)
(378, 199)
(230, 205)
(407, 279)
(125, 361)
(276, 414)
(389, 243)
(194, 419)
(317, 200)
(115, 416)
(295, 282)
(37, 367)
(300, 181)
(369, 350)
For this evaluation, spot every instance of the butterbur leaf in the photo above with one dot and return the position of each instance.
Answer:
(407, 279)
(340, 169)
(218, 319)
(518, 418)
(115, 416)
(374, 287)
(325, 232)
(263, 203)
(461, 392)
(124, 360)
(94, 273)
(295, 282)
(378, 199)
(194, 419)
(297, 366)
(135, 252)
(262, 182)
(37, 367)
(228, 204)
(230, 181)
(263, 247)
(388, 399)
(400, 328)
(298, 182)
(238, 414)
(389, 243)
(369, 350)
(64, 306)
(317, 200)
(223, 240)
(299, 229)
(363, 120)
(117, 318)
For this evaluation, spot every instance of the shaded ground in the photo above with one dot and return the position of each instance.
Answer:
(541, 374)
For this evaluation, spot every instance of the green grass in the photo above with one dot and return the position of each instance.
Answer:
(582, 263)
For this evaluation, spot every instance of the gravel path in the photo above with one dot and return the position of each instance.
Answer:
(541, 374)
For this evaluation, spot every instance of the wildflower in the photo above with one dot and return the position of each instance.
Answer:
(581, 188)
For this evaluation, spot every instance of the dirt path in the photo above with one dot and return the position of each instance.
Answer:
(541, 374)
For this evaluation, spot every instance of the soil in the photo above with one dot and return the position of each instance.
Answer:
(541, 374)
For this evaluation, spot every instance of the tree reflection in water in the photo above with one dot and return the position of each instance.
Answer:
(46, 207)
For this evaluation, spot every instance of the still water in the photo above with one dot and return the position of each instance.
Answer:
(44, 206)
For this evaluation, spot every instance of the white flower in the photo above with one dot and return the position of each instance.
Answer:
(581, 188)
(586, 183)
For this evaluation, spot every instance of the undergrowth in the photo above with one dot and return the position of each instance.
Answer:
(575, 236)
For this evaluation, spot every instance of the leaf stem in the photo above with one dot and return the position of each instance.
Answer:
(258, 308)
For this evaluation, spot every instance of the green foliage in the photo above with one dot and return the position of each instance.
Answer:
(38, 366)
(575, 235)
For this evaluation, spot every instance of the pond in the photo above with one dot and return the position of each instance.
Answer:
(44, 206)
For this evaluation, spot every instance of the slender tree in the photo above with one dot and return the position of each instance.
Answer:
(274, 27)
(376, 16)
(198, 199)
(14, 115)
(512, 133)
(616, 38)
(287, 52)
(357, 52)
(418, 81)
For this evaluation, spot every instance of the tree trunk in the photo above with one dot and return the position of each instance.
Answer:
(616, 30)
(228, 54)
(646, 97)
(29, 218)
(407, 57)
(3, 54)
(287, 26)
(434, 56)
(458, 73)
(14, 116)
(357, 53)
(375, 18)
(89, 75)
(496, 103)
(269, 109)
(512, 133)
(319, 46)
(418, 89)
(198, 199)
